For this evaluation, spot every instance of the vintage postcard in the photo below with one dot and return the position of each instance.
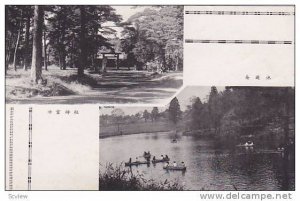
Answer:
(150, 97)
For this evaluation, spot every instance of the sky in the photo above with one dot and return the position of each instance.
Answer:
(189, 92)
(126, 12)
(184, 98)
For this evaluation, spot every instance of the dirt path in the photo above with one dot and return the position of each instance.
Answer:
(118, 87)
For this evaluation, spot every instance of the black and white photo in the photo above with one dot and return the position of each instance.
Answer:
(71, 54)
(207, 138)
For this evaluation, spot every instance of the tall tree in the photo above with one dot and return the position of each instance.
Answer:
(154, 113)
(83, 56)
(45, 50)
(196, 115)
(146, 115)
(20, 25)
(28, 16)
(36, 67)
(174, 111)
(156, 35)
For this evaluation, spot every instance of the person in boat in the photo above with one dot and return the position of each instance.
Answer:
(145, 153)
(149, 153)
(281, 147)
(166, 164)
(166, 157)
(153, 158)
(162, 157)
(129, 160)
(174, 164)
(136, 159)
(182, 164)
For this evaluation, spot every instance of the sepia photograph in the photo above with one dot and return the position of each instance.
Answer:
(194, 99)
(206, 138)
(77, 54)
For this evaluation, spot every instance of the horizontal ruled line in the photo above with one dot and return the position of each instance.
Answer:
(270, 42)
(238, 13)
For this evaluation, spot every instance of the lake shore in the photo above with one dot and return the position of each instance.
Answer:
(134, 128)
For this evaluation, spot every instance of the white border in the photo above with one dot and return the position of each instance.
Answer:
(81, 195)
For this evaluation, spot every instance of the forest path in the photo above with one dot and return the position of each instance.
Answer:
(113, 87)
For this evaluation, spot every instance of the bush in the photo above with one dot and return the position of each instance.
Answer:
(118, 178)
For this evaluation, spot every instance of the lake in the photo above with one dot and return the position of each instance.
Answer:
(208, 168)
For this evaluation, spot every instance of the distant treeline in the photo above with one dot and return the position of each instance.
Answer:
(264, 112)
(241, 111)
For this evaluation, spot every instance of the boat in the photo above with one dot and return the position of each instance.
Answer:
(160, 160)
(136, 163)
(181, 168)
(247, 144)
(280, 149)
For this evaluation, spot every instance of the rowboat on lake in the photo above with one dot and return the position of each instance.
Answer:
(160, 160)
(180, 168)
(136, 163)
(247, 144)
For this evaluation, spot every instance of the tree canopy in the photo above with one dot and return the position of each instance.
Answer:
(154, 38)
(73, 35)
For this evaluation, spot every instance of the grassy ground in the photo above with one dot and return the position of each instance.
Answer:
(117, 178)
(64, 86)
(135, 128)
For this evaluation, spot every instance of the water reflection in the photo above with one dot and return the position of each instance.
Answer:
(207, 167)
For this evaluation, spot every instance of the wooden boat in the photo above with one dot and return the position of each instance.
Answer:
(136, 163)
(246, 145)
(181, 168)
(160, 160)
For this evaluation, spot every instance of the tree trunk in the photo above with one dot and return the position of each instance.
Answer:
(72, 62)
(163, 54)
(82, 57)
(45, 52)
(59, 61)
(93, 62)
(177, 63)
(7, 53)
(96, 67)
(7, 57)
(17, 44)
(63, 49)
(48, 57)
(104, 62)
(36, 66)
(26, 47)
(7, 42)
